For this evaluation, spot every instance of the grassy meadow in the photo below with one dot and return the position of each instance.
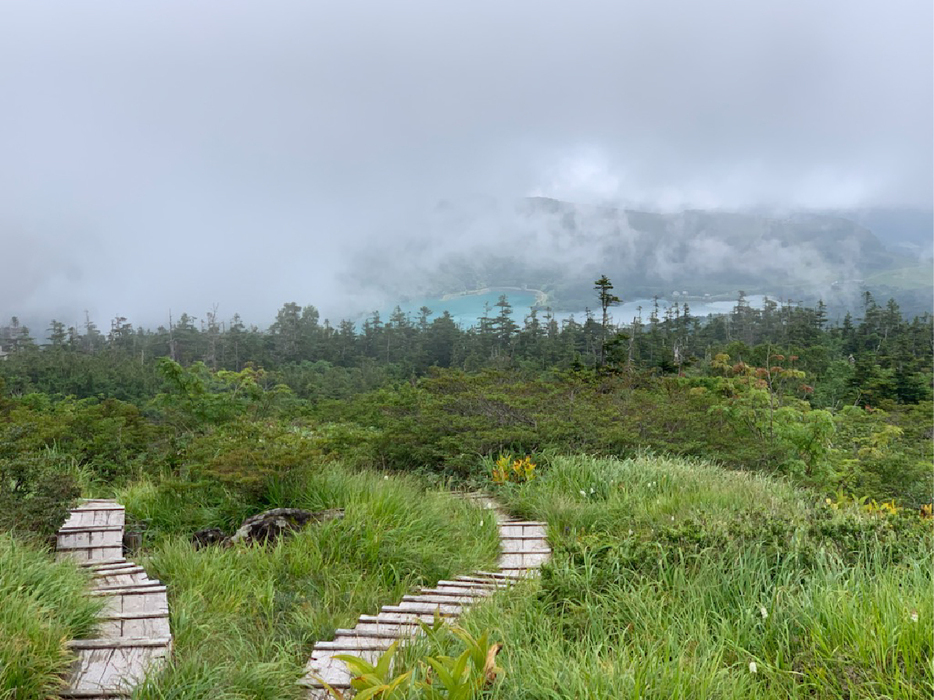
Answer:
(676, 579)
(245, 618)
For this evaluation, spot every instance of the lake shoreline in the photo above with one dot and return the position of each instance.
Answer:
(541, 297)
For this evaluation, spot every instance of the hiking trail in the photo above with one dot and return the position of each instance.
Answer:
(523, 549)
(133, 636)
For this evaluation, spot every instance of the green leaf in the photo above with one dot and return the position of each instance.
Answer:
(355, 664)
(385, 661)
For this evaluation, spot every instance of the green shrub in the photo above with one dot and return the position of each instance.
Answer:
(36, 491)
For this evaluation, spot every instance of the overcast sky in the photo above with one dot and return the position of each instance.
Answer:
(166, 154)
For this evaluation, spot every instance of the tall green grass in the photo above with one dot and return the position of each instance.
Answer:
(673, 578)
(245, 619)
(42, 606)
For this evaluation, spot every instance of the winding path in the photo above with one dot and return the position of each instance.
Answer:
(133, 634)
(523, 549)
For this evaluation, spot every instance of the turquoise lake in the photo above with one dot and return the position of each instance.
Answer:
(468, 310)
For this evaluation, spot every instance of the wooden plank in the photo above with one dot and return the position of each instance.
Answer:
(440, 598)
(530, 545)
(125, 643)
(524, 560)
(135, 626)
(346, 641)
(96, 564)
(102, 669)
(380, 628)
(137, 588)
(428, 609)
(92, 554)
(474, 580)
(457, 591)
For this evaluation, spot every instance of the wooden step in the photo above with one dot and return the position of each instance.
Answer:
(505, 576)
(493, 583)
(97, 515)
(91, 554)
(461, 581)
(134, 600)
(456, 592)
(105, 569)
(102, 563)
(389, 630)
(350, 642)
(524, 545)
(523, 560)
(130, 589)
(120, 643)
(108, 666)
(440, 599)
(122, 580)
(139, 624)
(429, 609)
(522, 530)
(330, 670)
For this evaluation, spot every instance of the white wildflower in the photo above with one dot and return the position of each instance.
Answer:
(583, 493)
(763, 612)
(672, 518)
(630, 531)
(591, 489)
(752, 667)
(914, 615)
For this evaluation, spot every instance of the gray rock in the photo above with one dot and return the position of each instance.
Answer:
(207, 537)
(272, 524)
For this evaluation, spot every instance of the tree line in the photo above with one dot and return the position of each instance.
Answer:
(879, 357)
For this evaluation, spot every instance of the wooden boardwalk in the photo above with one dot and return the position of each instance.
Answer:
(523, 548)
(133, 634)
